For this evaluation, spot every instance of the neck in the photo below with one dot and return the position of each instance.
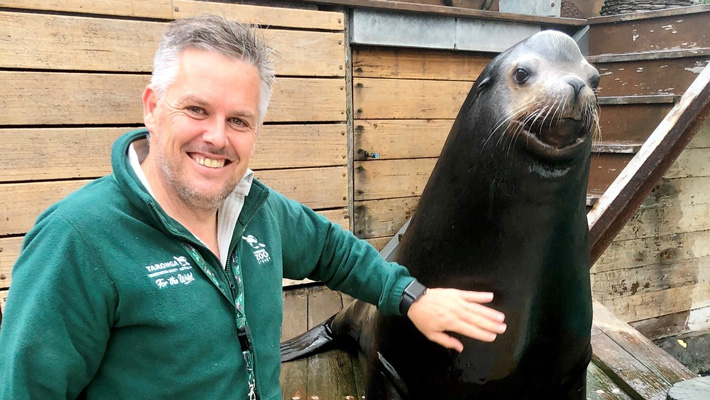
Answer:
(199, 221)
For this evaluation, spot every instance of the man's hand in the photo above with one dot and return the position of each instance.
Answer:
(452, 310)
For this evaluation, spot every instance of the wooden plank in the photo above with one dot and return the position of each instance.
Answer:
(659, 249)
(315, 187)
(330, 374)
(391, 178)
(42, 41)
(650, 278)
(632, 123)
(290, 146)
(263, 16)
(60, 153)
(650, 222)
(649, 77)
(294, 374)
(656, 360)
(100, 44)
(161, 9)
(646, 99)
(21, 203)
(378, 62)
(645, 56)
(9, 251)
(694, 320)
(654, 304)
(626, 371)
(702, 138)
(616, 206)
(408, 99)
(679, 31)
(390, 139)
(376, 218)
(605, 167)
(69, 98)
(690, 163)
(600, 387)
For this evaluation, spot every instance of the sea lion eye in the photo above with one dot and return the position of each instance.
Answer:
(594, 82)
(520, 76)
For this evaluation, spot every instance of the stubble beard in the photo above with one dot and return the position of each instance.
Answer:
(186, 194)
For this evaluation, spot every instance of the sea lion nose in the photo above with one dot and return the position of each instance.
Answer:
(576, 83)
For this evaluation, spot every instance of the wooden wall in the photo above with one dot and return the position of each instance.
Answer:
(71, 78)
(656, 273)
(404, 103)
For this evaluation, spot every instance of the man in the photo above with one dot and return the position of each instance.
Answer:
(163, 279)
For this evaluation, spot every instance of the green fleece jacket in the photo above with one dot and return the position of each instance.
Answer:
(108, 301)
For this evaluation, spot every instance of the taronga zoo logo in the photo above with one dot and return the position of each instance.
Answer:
(259, 249)
(170, 273)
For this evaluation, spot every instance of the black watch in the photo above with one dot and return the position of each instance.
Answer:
(413, 292)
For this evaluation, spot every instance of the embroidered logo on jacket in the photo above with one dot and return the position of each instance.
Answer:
(170, 273)
(259, 249)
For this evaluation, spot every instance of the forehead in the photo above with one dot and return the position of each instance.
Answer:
(214, 77)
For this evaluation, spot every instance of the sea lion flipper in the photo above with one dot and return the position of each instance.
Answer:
(311, 342)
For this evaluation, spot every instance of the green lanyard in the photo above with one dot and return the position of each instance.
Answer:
(243, 332)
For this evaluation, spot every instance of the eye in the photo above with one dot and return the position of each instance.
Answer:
(195, 110)
(238, 123)
(594, 82)
(520, 75)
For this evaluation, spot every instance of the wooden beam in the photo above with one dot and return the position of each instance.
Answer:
(407, 63)
(655, 250)
(84, 98)
(628, 191)
(261, 15)
(391, 178)
(68, 153)
(392, 139)
(408, 98)
(160, 9)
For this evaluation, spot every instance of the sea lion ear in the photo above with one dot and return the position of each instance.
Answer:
(483, 84)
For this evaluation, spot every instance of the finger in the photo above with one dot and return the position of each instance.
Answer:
(474, 332)
(483, 311)
(476, 297)
(447, 341)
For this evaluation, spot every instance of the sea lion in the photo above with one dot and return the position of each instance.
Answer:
(503, 211)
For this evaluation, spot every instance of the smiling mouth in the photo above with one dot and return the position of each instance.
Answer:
(209, 162)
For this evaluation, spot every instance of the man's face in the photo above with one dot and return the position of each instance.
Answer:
(203, 130)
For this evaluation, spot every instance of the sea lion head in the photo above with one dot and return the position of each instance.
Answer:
(542, 92)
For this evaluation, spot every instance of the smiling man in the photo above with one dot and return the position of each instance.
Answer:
(163, 279)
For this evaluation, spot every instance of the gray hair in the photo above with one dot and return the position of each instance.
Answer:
(216, 34)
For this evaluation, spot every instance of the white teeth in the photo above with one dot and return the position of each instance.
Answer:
(208, 162)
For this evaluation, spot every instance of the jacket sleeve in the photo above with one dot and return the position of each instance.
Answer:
(320, 250)
(58, 315)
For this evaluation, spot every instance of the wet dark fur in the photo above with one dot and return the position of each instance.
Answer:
(497, 217)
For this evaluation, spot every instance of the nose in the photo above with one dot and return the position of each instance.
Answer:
(577, 85)
(215, 133)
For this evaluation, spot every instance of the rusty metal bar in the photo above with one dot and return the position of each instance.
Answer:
(617, 205)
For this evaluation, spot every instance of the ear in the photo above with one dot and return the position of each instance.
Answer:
(150, 108)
